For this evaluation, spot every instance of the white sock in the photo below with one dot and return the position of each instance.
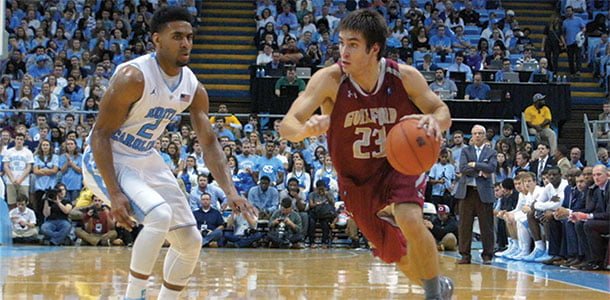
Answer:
(540, 245)
(524, 238)
(166, 293)
(136, 288)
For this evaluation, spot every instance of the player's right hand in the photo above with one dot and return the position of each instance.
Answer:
(317, 125)
(121, 211)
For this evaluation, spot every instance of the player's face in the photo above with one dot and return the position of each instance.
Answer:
(175, 42)
(528, 184)
(354, 52)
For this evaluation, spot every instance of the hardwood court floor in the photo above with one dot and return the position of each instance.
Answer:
(101, 273)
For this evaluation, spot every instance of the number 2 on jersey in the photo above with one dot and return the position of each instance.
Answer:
(144, 131)
(367, 133)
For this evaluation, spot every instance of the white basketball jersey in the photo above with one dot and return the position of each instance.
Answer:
(149, 116)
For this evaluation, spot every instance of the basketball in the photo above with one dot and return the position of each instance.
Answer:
(409, 149)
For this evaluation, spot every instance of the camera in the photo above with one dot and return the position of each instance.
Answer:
(51, 195)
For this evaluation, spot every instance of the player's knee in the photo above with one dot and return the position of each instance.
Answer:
(409, 217)
(186, 238)
(159, 218)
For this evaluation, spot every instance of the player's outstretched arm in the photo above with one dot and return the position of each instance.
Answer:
(437, 117)
(215, 158)
(124, 89)
(299, 122)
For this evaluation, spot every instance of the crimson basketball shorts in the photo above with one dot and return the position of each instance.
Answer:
(365, 201)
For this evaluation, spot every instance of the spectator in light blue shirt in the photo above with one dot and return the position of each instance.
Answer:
(571, 27)
(477, 90)
(270, 166)
(459, 66)
(218, 196)
(286, 17)
(506, 67)
(441, 43)
(264, 197)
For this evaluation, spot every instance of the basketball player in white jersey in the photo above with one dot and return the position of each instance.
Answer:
(123, 167)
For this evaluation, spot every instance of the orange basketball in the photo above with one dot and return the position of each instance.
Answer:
(409, 149)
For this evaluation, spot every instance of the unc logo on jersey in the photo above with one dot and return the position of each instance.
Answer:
(267, 169)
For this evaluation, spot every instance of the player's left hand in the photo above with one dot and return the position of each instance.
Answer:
(428, 122)
(238, 203)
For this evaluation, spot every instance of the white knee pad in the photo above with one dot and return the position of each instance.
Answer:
(182, 256)
(150, 239)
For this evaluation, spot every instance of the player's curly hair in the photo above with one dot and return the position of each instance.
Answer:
(165, 15)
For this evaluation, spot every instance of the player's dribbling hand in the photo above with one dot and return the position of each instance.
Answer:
(121, 211)
(238, 203)
(428, 122)
(317, 124)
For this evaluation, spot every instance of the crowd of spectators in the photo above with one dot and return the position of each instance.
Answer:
(456, 36)
(52, 65)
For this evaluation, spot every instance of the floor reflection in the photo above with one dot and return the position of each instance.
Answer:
(94, 273)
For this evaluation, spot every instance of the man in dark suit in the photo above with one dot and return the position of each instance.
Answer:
(544, 162)
(574, 200)
(475, 194)
(597, 223)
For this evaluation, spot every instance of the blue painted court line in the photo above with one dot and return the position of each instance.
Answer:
(598, 281)
(20, 251)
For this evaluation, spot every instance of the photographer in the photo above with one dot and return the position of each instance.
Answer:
(285, 227)
(57, 225)
(98, 224)
(321, 209)
(242, 229)
(298, 198)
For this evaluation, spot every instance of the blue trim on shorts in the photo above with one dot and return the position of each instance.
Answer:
(139, 213)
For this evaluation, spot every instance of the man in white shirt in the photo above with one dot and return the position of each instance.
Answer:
(17, 167)
(24, 222)
(550, 199)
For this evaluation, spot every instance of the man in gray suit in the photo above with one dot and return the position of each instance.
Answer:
(475, 194)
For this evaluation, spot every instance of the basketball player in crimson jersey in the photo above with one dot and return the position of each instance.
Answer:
(362, 98)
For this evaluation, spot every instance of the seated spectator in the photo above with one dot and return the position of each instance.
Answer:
(459, 66)
(265, 18)
(526, 58)
(441, 43)
(266, 56)
(538, 117)
(275, 68)
(299, 202)
(602, 157)
(473, 59)
(405, 52)
(266, 5)
(264, 197)
(459, 40)
(291, 53)
(209, 221)
(286, 17)
(579, 6)
(345, 221)
(322, 210)
(221, 130)
(477, 90)
(594, 221)
(218, 197)
(506, 67)
(421, 41)
(443, 84)
(542, 69)
(98, 225)
(427, 65)
(597, 27)
(57, 226)
(285, 227)
(313, 56)
(498, 55)
(469, 15)
(242, 230)
(24, 222)
(290, 79)
(598, 52)
(444, 229)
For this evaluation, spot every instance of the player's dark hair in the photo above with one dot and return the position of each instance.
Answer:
(165, 15)
(370, 24)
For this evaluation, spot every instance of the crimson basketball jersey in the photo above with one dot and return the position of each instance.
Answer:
(360, 122)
